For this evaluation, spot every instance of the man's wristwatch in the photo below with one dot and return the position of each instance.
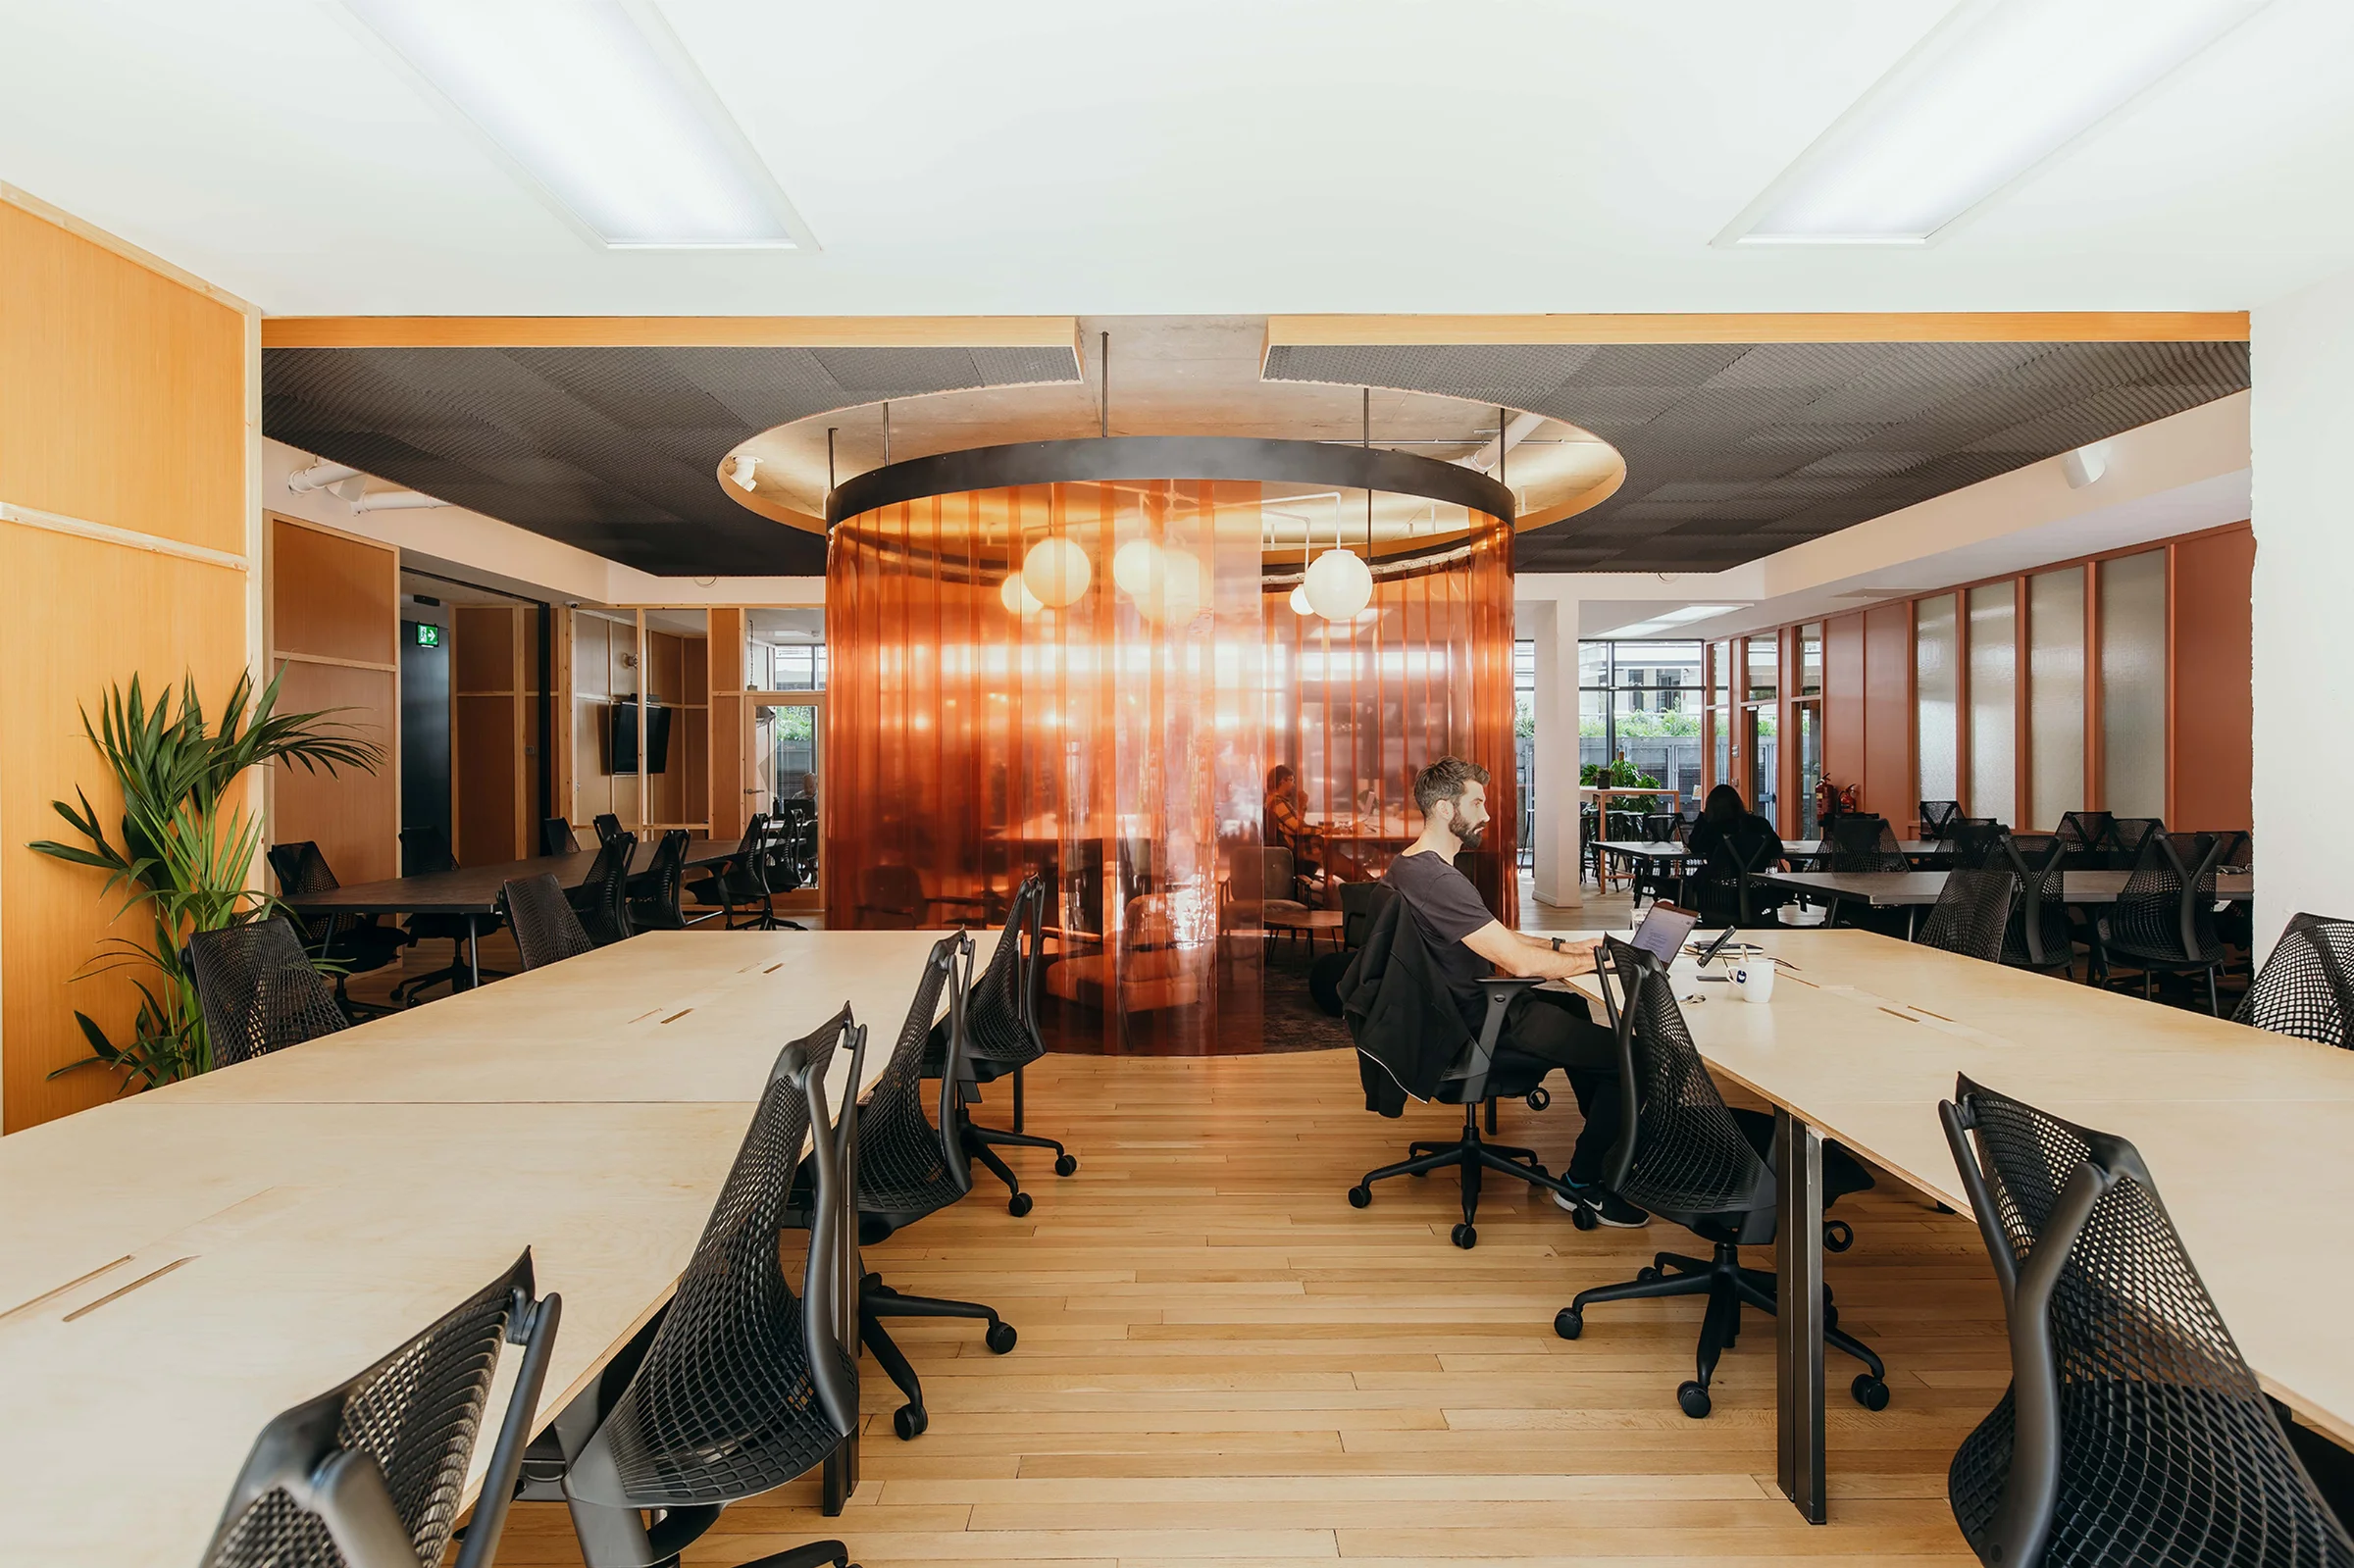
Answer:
(1557, 944)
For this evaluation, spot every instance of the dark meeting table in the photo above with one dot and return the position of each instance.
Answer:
(471, 893)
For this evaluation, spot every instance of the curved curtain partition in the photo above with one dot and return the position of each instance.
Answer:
(1118, 744)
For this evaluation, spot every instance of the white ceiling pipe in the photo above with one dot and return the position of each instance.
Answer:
(395, 501)
(318, 477)
(1517, 430)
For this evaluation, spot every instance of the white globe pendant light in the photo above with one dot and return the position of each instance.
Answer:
(1135, 566)
(1338, 585)
(1056, 572)
(1300, 605)
(1017, 596)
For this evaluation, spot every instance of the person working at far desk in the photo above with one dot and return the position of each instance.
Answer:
(1728, 835)
(1466, 940)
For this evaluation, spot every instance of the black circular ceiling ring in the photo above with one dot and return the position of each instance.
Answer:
(1169, 457)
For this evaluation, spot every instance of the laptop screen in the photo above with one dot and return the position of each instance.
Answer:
(1664, 930)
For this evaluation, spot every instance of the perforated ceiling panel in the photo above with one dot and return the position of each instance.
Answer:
(613, 450)
(1737, 450)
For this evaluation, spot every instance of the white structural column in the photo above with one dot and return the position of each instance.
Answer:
(2302, 408)
(1552, 622)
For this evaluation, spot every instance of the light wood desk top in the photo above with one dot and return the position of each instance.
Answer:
(2249, 1135)
(316, 1207)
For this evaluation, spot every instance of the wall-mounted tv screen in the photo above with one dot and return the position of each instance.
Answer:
(621, 743)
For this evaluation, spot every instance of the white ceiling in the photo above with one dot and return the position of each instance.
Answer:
(1181, 156)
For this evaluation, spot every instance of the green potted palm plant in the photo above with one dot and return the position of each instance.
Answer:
(184, 855)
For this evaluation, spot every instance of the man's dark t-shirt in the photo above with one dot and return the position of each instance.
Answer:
(1449, 907)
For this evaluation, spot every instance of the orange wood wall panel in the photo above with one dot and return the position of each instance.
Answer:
(121, 391)
(1888, 712)
(1843, 705)
(123, 400)
(726, 767)
(2213, 762)
(164, 618)
(353, 817)
(333, 598)
(488, 787)
(489, 778)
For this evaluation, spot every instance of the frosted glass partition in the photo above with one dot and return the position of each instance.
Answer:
(1993, 702)
(2055, 696)
(2133, 685)
(1935, 686)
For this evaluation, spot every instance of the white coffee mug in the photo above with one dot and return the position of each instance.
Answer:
(1753, 978)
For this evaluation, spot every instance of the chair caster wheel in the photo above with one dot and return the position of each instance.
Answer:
(1568, 1323)
(1645, 1273)
(1837, 1235)
(1464, 1236)
(1018, 1204)
(999, 1338)
(910, 1422)
(1584, 1218)
(1360, 1197)
(1870, 1391)
(1538, 1099)
(1694, 1398)
(1065, 1164)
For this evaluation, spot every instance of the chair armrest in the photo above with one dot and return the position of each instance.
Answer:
(1499, 991)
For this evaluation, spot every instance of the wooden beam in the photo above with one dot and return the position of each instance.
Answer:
(671, 331)
(1857, 326)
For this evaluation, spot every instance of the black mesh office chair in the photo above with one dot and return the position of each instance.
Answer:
(425, 850)
(556, 838)
(653, 893)
(354, 943)
(2084, 837)
(1863, 843)
(2132, 1431)
(1002, 1038)
(1975, 842)
(1360, 903)
(746, 1385)
(259, 991)
(742, 879)
(2126, 835)
(1937, 815)
(602, 903)
(1689, 1158)
(1744, 900)
(2306, 986)
(607, 826)
(372, 1474)
(907, 1168)
(1972, 913)
(1484, 1071)
(547, 929)
(2163, 922)
(2038, 935)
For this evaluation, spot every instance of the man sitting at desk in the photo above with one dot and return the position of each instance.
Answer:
(1469, 942)
(1282, 825)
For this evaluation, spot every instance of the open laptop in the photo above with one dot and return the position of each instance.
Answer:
(1660, 936)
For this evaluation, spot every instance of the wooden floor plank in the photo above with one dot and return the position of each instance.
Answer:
(1222, 1362)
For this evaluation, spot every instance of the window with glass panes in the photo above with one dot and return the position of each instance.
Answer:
(1642, 701)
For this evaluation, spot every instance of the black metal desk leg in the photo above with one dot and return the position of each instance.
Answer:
(1798, 1314)
(473, 961)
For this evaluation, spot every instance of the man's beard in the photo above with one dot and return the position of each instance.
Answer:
(1467, 837)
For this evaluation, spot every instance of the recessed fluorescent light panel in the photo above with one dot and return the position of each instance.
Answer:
(1994, 90)
(599, 109)
(1658, 625)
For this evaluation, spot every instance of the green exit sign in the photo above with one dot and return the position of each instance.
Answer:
(428, 635)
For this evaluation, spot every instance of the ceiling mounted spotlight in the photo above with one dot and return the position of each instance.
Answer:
(2086, 465)
(743, 471)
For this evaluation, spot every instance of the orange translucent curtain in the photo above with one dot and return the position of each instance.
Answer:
(1117, 746)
